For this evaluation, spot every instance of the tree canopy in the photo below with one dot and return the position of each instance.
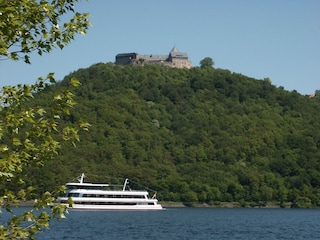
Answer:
(31, 134)
(195, 135)
(206, 62)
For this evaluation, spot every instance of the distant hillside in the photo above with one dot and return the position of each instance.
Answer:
(194, 135)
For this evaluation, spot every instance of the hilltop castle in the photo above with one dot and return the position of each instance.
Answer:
(174, 59)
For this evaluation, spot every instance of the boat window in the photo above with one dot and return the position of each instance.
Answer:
(73, 195)
(112, 196)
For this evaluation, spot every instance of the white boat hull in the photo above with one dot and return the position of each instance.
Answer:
(113, 207)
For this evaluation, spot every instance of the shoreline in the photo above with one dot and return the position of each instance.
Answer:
(166, 204)
(220, 205)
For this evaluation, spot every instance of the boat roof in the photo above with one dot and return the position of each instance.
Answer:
(122, 192)
(93, 184)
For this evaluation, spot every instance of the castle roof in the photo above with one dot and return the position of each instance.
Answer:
(176, 54)
(174, 49)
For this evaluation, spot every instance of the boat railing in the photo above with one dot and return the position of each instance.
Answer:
(125, 184)
(104, 187)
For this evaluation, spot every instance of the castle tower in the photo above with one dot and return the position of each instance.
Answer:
(179, 59)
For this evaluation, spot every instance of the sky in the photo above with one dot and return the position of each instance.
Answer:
(261, 39)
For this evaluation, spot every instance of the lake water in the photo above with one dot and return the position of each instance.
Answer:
(188, 223)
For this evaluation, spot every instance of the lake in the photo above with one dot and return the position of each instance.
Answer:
(188, 223)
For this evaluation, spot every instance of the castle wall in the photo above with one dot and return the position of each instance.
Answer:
(181, 63)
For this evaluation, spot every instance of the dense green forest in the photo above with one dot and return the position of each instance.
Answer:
(201, 135)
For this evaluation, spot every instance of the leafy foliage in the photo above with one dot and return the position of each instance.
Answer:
(198, 135)
(27, 26)
(31, 134)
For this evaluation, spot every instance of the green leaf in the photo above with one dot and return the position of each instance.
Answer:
(75, 82)
(16, 142)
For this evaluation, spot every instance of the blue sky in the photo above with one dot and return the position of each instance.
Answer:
(257, 38)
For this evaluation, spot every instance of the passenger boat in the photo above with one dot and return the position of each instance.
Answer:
(94, 196)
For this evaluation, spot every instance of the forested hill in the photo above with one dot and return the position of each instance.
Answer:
(198, 135)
